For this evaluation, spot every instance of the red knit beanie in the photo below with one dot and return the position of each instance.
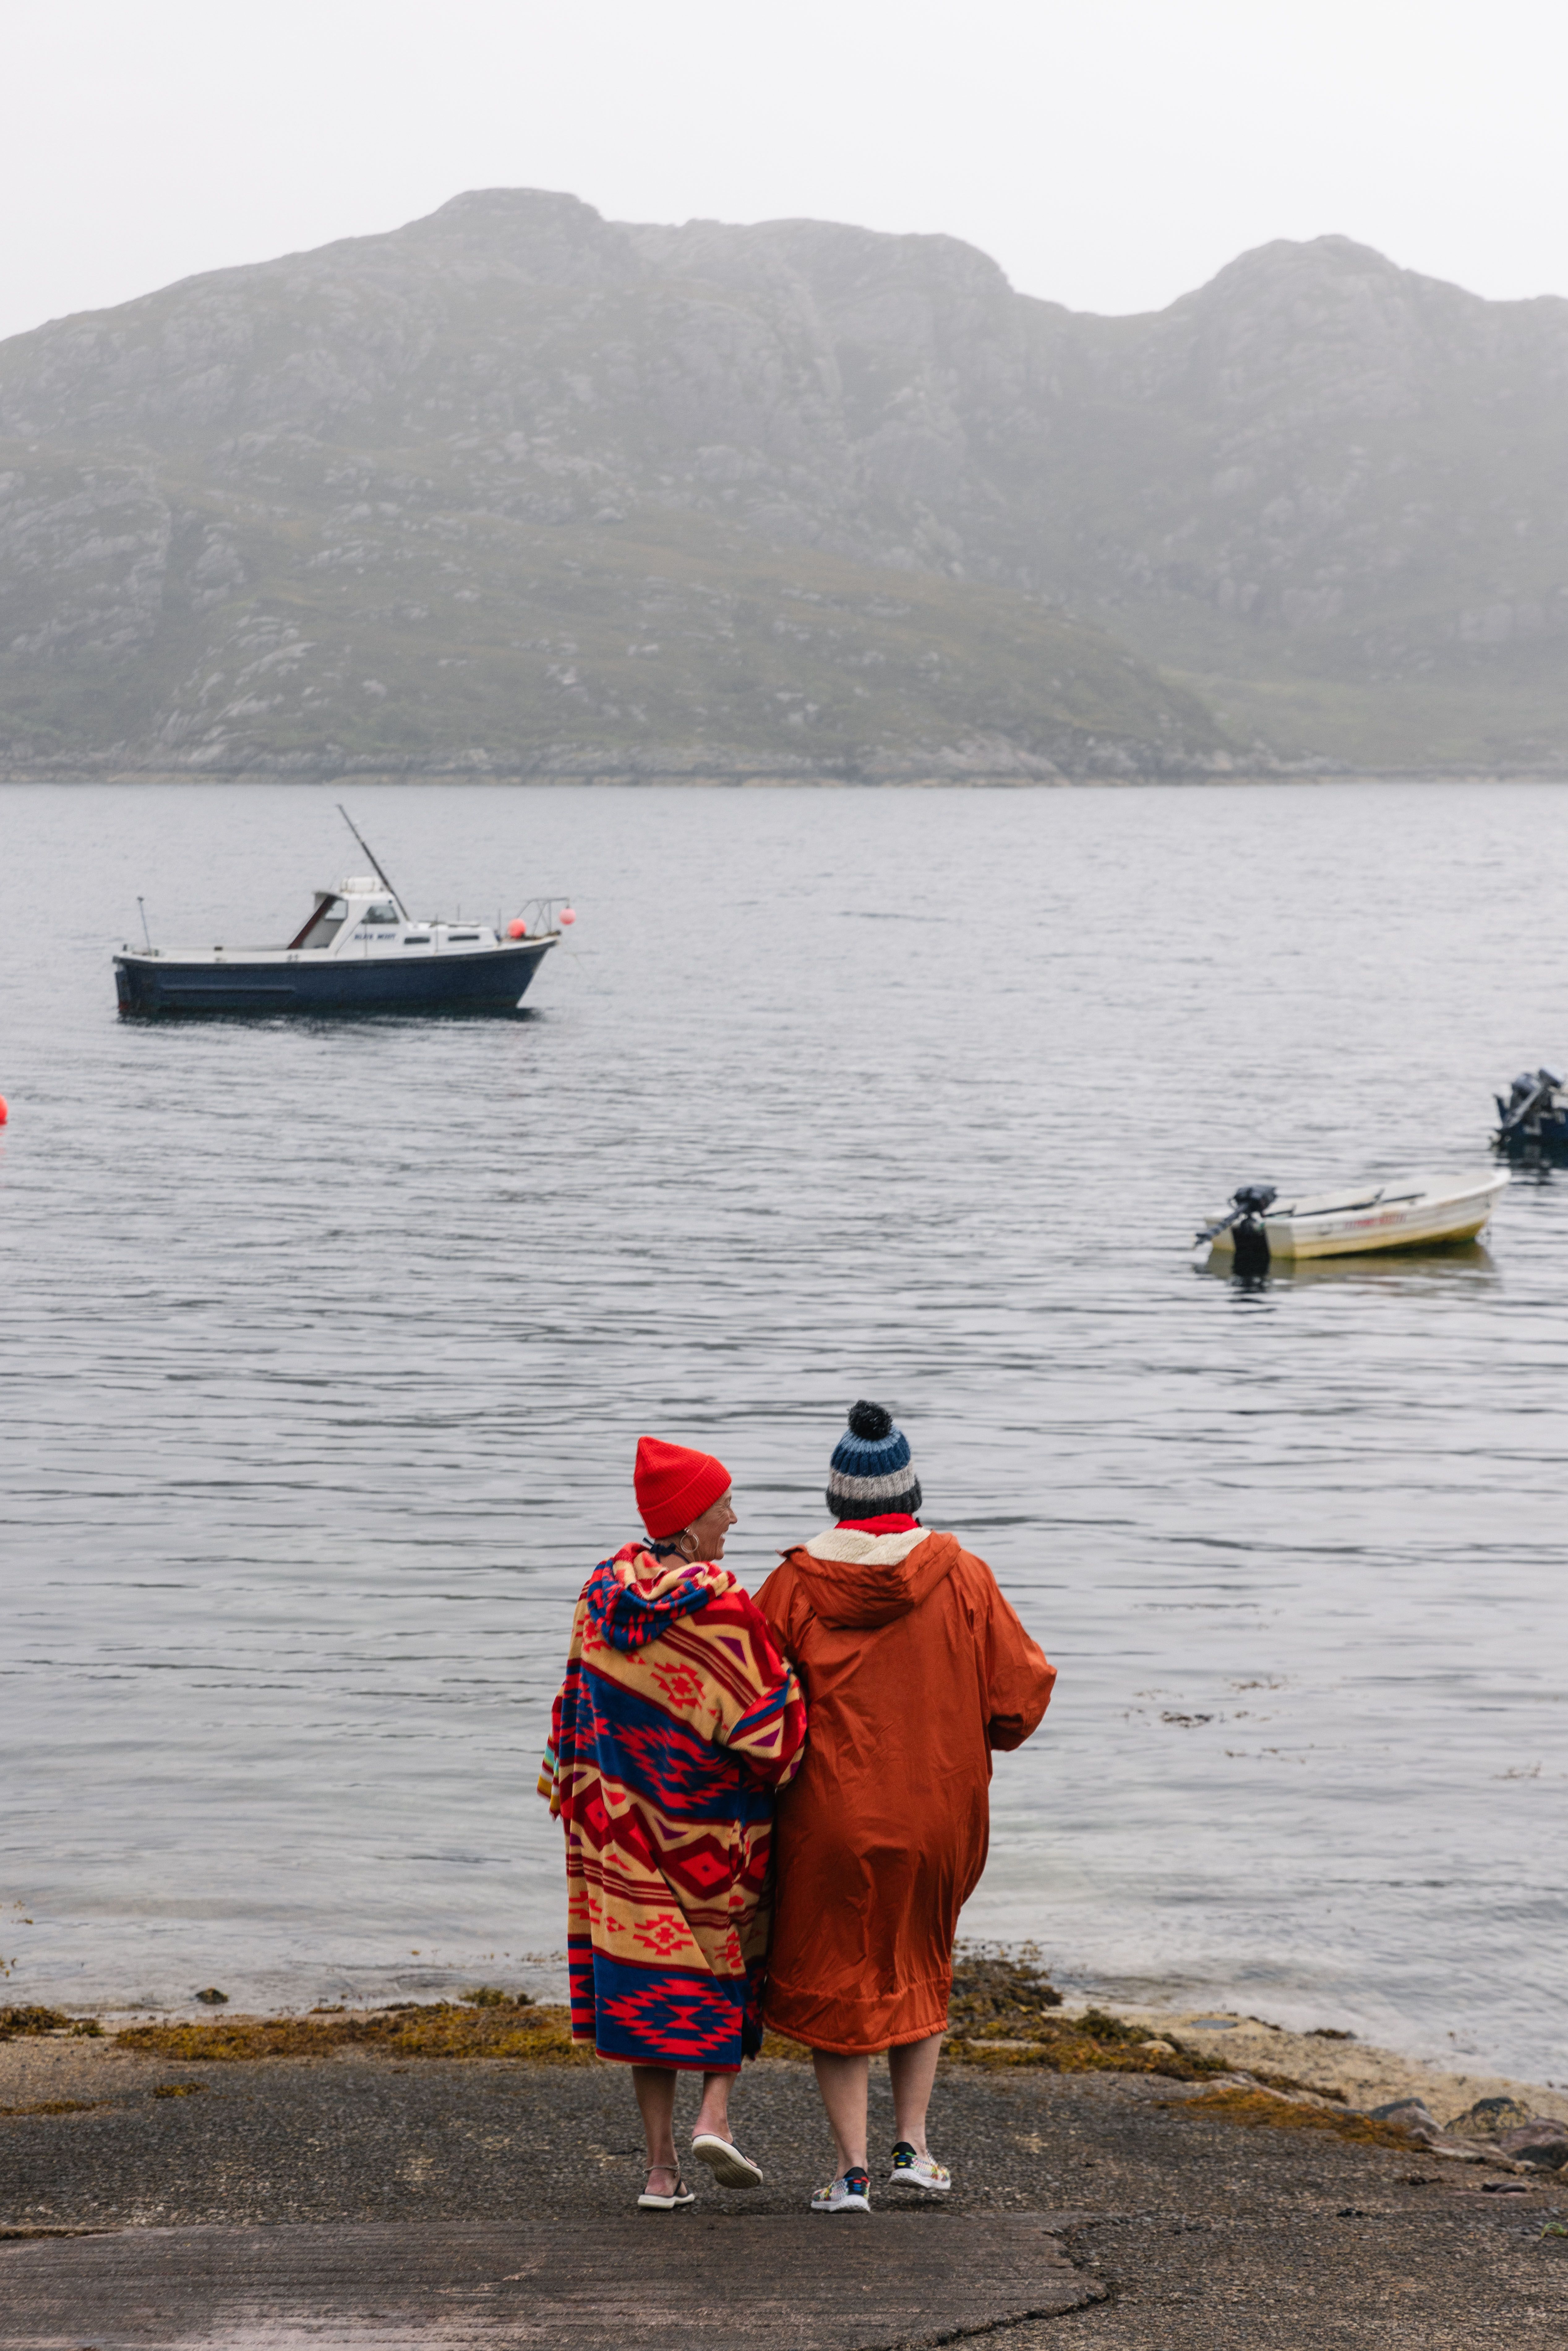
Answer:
(675, 1485)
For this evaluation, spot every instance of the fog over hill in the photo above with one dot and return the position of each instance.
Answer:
(515, 487)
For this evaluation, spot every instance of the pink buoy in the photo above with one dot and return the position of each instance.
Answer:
(567, 918)
(5, 1109)
(518, 929)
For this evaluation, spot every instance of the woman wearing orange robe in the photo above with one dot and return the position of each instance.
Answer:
(914, 1669)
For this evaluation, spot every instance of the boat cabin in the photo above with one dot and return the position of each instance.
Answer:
(361, 912)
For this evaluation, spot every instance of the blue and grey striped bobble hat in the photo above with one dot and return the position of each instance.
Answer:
(872, 1474)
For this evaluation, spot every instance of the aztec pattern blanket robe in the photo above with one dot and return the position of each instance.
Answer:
(678, 1719)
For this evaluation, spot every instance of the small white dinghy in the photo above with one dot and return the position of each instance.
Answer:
(1406, 1212)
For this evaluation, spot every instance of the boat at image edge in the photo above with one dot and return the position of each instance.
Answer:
(1533, 1123)
(358, 951)
(1405, 1212)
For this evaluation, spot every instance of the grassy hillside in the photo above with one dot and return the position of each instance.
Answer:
(431, 640)
(517, 486)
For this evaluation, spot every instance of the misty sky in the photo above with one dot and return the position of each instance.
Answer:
(1110, 153)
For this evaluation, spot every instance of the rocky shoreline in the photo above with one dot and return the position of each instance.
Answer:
(1006, 2018)
(1337, 2062)
(1005, 2013)
(985, 763)
(957, 767)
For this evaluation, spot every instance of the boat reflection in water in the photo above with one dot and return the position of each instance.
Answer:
(1448, 1266)
(358, 951)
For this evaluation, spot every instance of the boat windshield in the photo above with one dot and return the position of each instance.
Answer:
(324, 924)
(380, 913)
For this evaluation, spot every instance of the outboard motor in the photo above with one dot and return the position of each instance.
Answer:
(1531, 1109)
(1250, 1233)
(1252, 1202)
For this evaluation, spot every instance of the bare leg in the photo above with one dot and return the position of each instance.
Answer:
(913, 2070)
(844, 2083)
(655, 2088)
(712, 2114)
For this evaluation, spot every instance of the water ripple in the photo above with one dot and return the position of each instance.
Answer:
(326, 1350)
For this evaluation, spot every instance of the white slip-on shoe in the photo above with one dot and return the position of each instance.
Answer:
(852, 2193)
(921, 2172)
(725, 2161)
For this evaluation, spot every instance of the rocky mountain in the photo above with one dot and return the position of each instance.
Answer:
(518, 488)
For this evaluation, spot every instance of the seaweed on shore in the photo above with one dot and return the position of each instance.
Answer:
(1003, 2013)
(989, 1984)
(18, 2023)
(507, 2026)
(1250, 2107)
(1093, 2042)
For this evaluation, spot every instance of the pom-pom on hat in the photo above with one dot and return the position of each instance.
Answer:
(676, 1485)
(872, 1474)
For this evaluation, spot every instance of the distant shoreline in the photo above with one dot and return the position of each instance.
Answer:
(765, 780)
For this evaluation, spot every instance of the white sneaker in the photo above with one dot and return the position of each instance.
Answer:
(918, 2171)
(850, 2194)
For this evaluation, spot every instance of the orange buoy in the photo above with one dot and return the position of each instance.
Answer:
(567, 918)
(518, 929)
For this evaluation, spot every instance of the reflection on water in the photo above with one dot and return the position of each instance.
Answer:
(1535, 1167)
(1393, 1270)
(327, 1348)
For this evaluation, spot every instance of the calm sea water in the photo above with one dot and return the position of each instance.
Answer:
(325, 1350)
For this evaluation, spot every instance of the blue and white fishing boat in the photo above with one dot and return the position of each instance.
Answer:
(358, 951)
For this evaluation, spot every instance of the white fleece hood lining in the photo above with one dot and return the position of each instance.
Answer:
(853, 1547)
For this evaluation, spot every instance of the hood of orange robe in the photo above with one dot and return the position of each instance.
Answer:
(852, 1578)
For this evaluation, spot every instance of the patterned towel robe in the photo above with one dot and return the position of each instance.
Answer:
(678, 1719)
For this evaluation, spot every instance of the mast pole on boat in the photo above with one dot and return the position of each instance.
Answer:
(375, 861)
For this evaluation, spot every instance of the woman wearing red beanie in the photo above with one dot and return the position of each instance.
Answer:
(678, 1719)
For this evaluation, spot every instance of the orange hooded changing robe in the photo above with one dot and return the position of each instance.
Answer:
(914, 1669)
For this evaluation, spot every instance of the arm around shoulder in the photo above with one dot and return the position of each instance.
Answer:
(769, 1736)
